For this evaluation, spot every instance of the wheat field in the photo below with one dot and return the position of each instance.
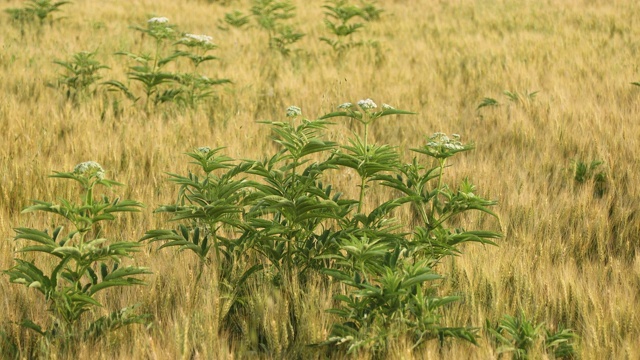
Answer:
(568, 257)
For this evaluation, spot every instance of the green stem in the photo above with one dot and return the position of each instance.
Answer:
(442, 220)
(362, 187)
(423, 214)
(435, 200)
(215, 247)
(150, 89)
(366, 159)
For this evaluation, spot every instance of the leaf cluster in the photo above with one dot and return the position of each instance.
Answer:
(518, 335)
(40, 9)
(85, 263)
(340, 21)
(151, 71)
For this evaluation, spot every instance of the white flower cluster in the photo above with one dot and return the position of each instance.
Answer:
(203, 150)
(367, 104)
(89, 169)
(293, 111)
(345, 106)
(438, 140)
(158, 20)
(205, 39)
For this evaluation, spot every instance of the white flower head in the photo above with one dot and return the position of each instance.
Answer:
(387, 107)
(89, 169)
(206, 39)
(293, 111)
(203, 150)
(345, 106)
(158, 20)
(367, 104)
(442, 141)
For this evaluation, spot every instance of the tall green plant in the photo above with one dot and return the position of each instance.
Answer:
(195, 86)
(84, 262)
(270, 15)
(289, 219)
(208, 210)
(341, 20)
(80, 73)
(150, 69)
(291, 203)
(388, 272)
(40, 9)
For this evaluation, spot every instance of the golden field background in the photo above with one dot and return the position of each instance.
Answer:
(568, 256)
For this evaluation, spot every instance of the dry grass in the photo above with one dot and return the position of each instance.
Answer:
(568, 256)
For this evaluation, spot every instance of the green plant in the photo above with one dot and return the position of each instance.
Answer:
(287, 221)
(161, 85)
(40, 9)
(270, 16)
(85, 262)
(561, 343)
(371, 11)
(339, 20)
(208, 209)
(236, 19)
(195, 86)
(292, 205)
(488, 102)
(80, 73)
(515, 97)
(518, 335)
(390, 272)
(150, 71)
(588, 172)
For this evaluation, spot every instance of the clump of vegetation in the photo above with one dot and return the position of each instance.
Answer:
(290, 221)
(84, 262)
(340, 17)
(35, 9)
(161, 85)
(81, 73)
(589, 172)
(513, 96)
(519, 335)
(270, 16)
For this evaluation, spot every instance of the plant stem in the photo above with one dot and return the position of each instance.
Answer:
(366, 159)
(215, 246)
(435, 200)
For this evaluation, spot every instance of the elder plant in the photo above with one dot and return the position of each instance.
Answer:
(341, 21)
(282, 215)
(390, 271)
(81, 72)
(83, 261)
(40, 9)
(195, 86)
(152, 71)
(270, 16)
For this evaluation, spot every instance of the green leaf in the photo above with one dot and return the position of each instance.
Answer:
(419, 279)
(68, 251)
(26, 323)
(117, 85)
(337, 274)
(82, 298)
